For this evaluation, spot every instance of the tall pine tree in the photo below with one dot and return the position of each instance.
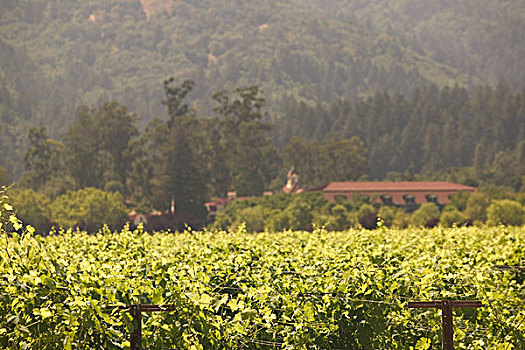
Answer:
(178, 174)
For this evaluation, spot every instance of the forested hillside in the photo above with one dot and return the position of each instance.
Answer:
(21, 92)
(58, 55)
(122, 50)
(483, 38)
(427, 130)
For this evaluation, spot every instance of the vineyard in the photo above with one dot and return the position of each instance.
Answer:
(273, 290)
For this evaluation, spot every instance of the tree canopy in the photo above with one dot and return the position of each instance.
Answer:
(58, 55)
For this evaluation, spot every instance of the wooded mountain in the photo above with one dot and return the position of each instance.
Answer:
(57, 55)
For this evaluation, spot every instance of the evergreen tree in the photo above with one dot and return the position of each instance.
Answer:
(96, 145)
(178, 176)
(178, 170)
(247, 146)
(4, 176)
(42, 158)
(342, 160)
(115, 129)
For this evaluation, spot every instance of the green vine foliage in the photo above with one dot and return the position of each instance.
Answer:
(285, 290)
(9, 222)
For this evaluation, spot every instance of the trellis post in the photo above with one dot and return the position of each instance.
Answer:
(135, 338)
(136, 310)
(447, 316)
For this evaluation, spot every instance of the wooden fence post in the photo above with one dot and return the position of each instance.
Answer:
(135, 338)
(447, 316)
(136, 310)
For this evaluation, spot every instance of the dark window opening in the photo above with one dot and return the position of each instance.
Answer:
(340, 198)
(409, 199)
(432, 198)
(387, 199)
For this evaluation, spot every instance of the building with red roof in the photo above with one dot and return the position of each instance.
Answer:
(218, 204)
(292, 182)
(399, 193)
(406, 194)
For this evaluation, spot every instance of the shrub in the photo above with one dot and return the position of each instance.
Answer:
(367, 216)
(10, 224)
(460, 200)
(505, 212)
(427, 215)
(335, 217)
(277, 201)
(222, 221)
(5, 210)
(387, 214)
(89, 209)
(57, 186)
(365, 210)
(451, 216)
(312, 201)
(353, 220)
(296, 216)
(402, 219)
(477, 205)
(278, 221)
(299, 216)
(32, 208)
(339, 218)
(323, 220)
(253, 217)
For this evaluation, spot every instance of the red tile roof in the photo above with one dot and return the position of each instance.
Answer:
(395, 186)
(225, 201)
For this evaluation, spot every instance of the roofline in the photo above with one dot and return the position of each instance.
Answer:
(396, 186)
(403, 190)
